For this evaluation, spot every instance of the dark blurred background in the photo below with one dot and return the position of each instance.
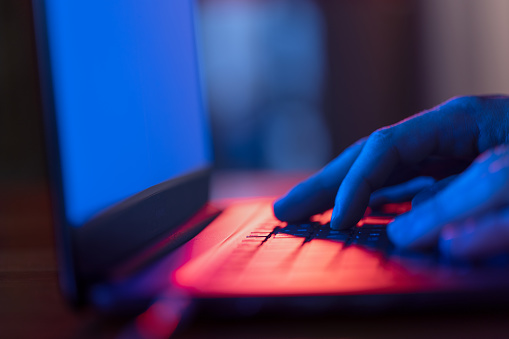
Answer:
(290, 83)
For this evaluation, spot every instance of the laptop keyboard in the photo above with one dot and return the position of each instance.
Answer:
(309, 247)
(371, 235)
(268, 257)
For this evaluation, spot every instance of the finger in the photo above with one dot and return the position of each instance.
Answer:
(483, 187)
(400, 193)
(317, 193)
(432, 190)
(407, 143)
(475, 239)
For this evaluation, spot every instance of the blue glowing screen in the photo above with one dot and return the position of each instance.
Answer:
(127, 97)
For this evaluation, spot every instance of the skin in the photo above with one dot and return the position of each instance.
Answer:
(452, 160)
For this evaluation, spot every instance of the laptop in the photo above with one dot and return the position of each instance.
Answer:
(130, 157)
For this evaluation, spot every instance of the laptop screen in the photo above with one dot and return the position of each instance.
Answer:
(127, 98)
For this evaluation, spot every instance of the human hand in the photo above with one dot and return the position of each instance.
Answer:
(450, 135)
(469, 218)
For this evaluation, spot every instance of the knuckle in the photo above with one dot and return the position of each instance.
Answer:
(464, 107)
(382, 135)
(466, 103)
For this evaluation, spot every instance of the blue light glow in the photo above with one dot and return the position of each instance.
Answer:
(128, 98)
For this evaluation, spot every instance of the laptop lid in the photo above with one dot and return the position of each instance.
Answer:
(128, 142)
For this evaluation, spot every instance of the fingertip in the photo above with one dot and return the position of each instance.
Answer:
(394, 233)
(376, 200)
(338, 221)
(279, 208)
(399, 231)
(337, 224)
(334, 221)
(294, 203)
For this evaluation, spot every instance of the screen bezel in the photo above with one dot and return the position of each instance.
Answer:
(70, 248)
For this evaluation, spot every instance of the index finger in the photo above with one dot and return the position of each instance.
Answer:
(448, 129)
(317, 193)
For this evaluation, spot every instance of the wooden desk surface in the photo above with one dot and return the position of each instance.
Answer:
(31, 305)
